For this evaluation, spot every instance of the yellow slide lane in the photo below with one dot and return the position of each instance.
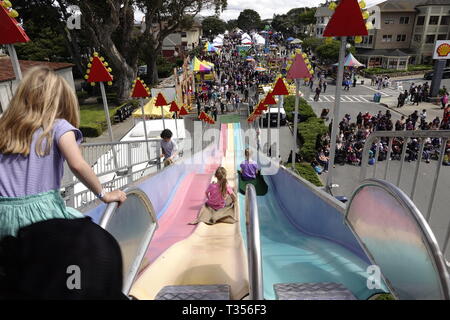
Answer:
(211, 255)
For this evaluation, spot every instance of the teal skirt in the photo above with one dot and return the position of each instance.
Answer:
(16, 213)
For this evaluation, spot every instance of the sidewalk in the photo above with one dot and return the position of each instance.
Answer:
(433, 110)
(119, 131)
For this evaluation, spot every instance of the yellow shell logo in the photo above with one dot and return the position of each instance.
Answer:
(443, 50)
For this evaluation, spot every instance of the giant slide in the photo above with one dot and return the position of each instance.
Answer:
(182, 254)
(303, 236)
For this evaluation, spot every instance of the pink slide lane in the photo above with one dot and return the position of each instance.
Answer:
(173, 225)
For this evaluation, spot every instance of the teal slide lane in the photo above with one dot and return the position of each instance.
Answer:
(290, 255)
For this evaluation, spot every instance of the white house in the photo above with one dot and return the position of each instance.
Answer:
(8, 83)
(323, 16)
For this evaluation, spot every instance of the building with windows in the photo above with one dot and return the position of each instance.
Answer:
(432, 23)
(323, 15)
(407, 34)
(389, 46)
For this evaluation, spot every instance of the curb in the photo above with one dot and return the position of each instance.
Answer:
(393, 109)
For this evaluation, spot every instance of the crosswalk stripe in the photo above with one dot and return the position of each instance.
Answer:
(364, 99)
(345, 98)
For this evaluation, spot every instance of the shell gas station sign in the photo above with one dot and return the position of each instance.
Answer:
(442, 50)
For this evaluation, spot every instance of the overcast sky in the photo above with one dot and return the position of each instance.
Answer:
(265, 8)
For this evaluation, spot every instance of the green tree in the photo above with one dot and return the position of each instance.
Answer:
(231, 24)
(329, 53)
(312, 43)
(281, 23)
(306, 18)
(248, 20)
(38, 17)
(215, 25)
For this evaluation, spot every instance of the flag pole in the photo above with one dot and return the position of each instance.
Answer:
(108, 121)
(297, 99)
(335, 128)
(145, 127)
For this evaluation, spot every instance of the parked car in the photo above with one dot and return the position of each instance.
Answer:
(429, 75)
(274, 117)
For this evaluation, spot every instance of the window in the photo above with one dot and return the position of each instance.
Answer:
(387, 38)
(442, 37)
(389, 21)
(445, 20)
(183, 34)
(404, 20)
(417, 38)
(401, 37)
(430, 38)
(370, 39)
(434, 20)
(420, 20)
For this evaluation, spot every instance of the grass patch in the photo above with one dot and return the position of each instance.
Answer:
(92, 118)
(385, 296)
(307, 172)
(233, 118)
(374, 71)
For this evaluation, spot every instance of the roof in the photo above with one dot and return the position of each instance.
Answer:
(7, 71)
(323, 12)
(383, 52)
(399, 6)
(172, 40)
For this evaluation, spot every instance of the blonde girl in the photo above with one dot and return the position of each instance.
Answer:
(38, 133)
(218, 192)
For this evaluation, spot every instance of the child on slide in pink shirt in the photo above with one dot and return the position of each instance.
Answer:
(217, 192)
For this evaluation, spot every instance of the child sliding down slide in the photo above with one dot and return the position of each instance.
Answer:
(216, 209)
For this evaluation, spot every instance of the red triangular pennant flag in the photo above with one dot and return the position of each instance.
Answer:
(160, 100)
(269, 99)
(347, 20)
(139, 90)
(261, 107)
(174, 107)
(12, 31)
(202, 116)
(299, 69)
(280, 88)
(183, 111)
(99, 73)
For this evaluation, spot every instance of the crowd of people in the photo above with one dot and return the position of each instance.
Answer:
(353, 135)
(235, 79)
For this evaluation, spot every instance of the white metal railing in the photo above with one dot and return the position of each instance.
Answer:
(405, 136)
(117, 164)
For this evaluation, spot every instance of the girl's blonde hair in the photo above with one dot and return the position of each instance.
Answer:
(247, 153)
(41, 97)
(221, 175)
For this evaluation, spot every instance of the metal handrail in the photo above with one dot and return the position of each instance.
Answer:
(253, 244)
(108, 215)
(431, 242)
(422, 135)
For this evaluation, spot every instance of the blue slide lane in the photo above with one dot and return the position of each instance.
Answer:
(290, 255)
